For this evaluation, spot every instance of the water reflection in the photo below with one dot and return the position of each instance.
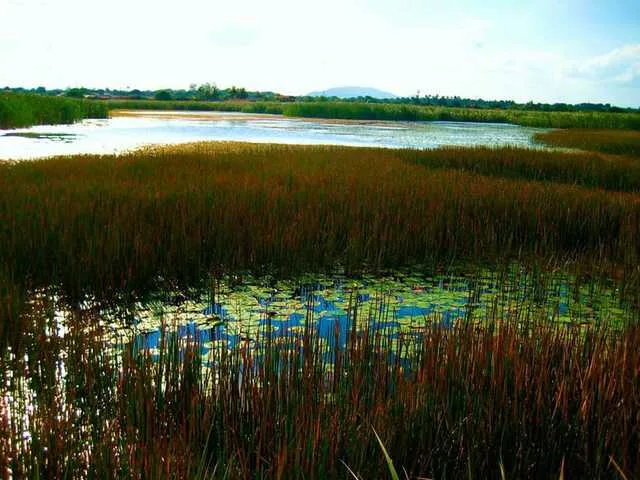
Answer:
(119, 134)
(258, 309)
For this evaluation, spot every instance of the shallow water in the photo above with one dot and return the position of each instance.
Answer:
(137, 129)
(252, 309)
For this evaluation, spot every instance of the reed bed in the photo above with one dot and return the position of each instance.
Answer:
(369, 111)
(24, 110)
(510, 395)
(103, 224)
(587, 169)
(404, 112)
(193, 105)
(620, 142)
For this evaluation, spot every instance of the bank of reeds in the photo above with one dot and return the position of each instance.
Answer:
(510, 394)
(104, 224)
(24, 110)
(369, 111)
(587, 169)
(620, 142)
(193, 105)
(403, 112)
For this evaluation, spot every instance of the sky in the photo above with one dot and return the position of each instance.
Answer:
(542, 51)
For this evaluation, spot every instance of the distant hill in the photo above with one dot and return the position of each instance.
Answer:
(352, 92)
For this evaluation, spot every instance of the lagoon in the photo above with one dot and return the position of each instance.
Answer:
(128, 130)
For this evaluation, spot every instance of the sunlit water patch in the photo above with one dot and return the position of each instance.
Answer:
(123, 133)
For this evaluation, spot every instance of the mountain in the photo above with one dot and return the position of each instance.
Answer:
(352, 92)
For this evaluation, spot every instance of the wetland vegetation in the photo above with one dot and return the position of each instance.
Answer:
(405, 112)
(230, 310)
(24, 110)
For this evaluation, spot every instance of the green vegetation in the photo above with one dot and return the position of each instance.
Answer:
(623, 142)
(516, 387)
(509, 393)
(211, 91)
(370, 111)
(379, 111)
(24, 110)
(105, 224)
(204, 106)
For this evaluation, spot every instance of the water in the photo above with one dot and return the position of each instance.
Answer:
(249, 308)
(136, 129)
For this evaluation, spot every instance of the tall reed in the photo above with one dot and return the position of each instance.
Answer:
(106, 224)
(622, 142)
(24, 110)
(403, 112)
(512, 393)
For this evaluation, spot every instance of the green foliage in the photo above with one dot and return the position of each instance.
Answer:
(164, 95)
(205, 106)
(24, 110)
(395, 111)
(371, 111)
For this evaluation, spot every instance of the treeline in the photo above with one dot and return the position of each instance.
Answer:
(211, 92)
(478, 103)
(204, 92)
(23, 110)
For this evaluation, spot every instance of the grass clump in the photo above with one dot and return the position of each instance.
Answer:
(619, 142)
(25, 110)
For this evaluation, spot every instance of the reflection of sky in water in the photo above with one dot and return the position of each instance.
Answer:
(124, 133)
(391, 306)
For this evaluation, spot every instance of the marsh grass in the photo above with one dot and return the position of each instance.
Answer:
(587, 169)
(512, 395)
(509, 394)
(381, 111)
(103, 224)
(24, 110)
(369, 111)
(619, 142)
(191, 105)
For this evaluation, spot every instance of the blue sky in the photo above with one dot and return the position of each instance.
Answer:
(550, 51)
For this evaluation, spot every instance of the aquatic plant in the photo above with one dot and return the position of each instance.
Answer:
(103, 224)
(24, 110)
(370, 111)
(508, 395)
(405, 112)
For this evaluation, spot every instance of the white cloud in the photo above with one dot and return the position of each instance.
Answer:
(291, 46)
(621, 65)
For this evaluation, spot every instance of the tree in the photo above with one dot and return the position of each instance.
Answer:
(208, 91)
(163, 95)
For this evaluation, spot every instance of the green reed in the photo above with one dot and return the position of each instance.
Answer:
(369, 111)
(193, 105)
(25, 110)
(403, 112)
